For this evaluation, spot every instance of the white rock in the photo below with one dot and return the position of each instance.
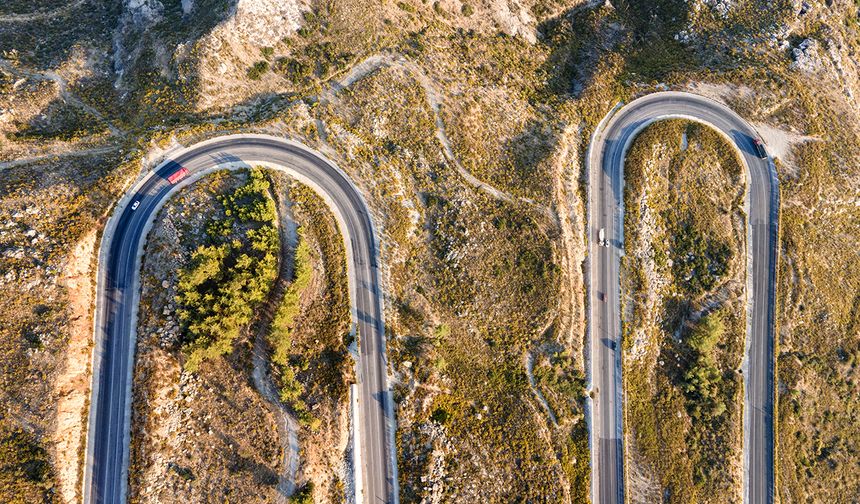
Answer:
(807, 57)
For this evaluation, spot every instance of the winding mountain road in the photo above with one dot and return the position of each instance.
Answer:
(605, 210)
(107, 452)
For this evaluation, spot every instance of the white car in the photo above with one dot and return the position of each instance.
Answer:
(135, 205)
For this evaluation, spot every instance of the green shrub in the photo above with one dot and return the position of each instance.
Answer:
(304, 495)
(708, 331)
(282, 325)
(258, 69)
(25, 474)
(298, 71)
(291, 389)
(703, 381)
(700, 261)
(228, 279)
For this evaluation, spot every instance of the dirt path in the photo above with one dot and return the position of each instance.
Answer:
(287, 426)
(529, 363)
(434, 100)
(63, 91)
(543, 429)
(51, 156)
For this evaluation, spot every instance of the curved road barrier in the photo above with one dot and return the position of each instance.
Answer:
(605, 166)
(118, 291)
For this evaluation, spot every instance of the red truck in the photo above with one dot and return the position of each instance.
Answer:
(177, 175)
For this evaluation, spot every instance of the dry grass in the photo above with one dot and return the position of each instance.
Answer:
(685, 434)
(819, 342)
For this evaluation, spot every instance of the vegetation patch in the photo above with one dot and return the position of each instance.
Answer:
(818, 314)
(199, 425)
(684, 320)
(25, 474)
(227, 279)
(309, 336)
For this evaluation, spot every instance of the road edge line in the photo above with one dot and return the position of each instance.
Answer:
(357, 476)
(589, 383)
(777, 308)
(97, 352)
(125, 198)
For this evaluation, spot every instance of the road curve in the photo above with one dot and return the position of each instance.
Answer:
(107, 452)
(605, 166)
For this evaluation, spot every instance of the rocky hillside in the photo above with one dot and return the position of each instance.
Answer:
(464, 123)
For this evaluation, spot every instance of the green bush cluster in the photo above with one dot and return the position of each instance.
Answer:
(304, 495)
(297, 70)
(562, 384)
(258, 69)
(280, 335)
(334, 35)
(230, 277)
(25, 474)
(703, 381)
(307, 330)
(700, 261)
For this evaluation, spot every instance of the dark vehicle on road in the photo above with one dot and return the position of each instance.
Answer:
(759, 148)
(601, 296)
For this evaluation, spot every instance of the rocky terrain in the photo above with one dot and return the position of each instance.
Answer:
(465, 124)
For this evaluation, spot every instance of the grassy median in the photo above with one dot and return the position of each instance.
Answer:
(683, 283)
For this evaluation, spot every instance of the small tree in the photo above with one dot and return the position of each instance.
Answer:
(258, 69)
(707, 333)
(305, 495)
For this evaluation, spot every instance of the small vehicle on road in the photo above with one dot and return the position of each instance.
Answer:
(612, 345)
(601, 238)
(759, 148)
(601, 296)
(135, 205)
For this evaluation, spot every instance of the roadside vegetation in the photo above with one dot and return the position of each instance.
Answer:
(25, 474)
(229, 278)
(292, 354)
(283, 324)
(683, 284)
(309, 336)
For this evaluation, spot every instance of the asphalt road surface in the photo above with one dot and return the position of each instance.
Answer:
(606, 189)
(106, 470)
